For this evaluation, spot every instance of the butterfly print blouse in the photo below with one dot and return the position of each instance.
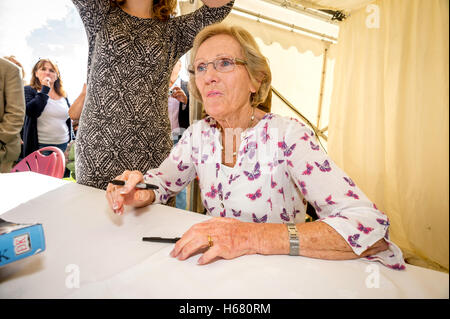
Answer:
(279, 168)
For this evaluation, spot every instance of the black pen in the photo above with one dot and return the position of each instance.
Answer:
(161, 240)
(140, 185)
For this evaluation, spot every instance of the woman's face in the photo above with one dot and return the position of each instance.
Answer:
(46, 71)
(223, 94)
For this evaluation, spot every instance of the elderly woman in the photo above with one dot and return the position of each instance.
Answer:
(257, 171)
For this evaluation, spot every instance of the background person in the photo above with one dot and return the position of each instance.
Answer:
(133, 46)
(13, 59)
(47, 121)
(12, 112)
(257, 171)
(178, 115)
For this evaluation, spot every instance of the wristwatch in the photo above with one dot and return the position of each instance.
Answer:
(294, 243)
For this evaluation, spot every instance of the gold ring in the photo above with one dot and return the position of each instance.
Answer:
(210, 242)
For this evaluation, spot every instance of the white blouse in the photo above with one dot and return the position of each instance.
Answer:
(279, 168)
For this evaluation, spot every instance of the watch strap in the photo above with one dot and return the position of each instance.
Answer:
(294, 243)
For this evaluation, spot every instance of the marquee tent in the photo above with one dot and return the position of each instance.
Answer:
(372, 77)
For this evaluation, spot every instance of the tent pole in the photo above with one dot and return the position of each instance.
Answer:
(288, 25)
(322, 81)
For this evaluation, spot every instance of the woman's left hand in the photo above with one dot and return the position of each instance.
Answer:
(230, 238)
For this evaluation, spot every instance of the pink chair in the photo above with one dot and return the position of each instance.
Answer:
(51, 165)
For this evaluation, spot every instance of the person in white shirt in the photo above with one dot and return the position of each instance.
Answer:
(47, 121)
(257, 171)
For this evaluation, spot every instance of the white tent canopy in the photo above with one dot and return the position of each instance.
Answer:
(382, 88)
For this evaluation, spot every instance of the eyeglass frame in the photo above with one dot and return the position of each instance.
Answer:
(236, 61)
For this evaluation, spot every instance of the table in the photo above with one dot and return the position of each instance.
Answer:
(92, 253)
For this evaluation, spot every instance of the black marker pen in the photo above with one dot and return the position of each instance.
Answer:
(140, 185)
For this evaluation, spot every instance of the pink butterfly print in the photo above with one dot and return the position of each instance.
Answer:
(308, 170)
(296, 120)
(195, 150)
(305, 137)
(255, 195)
(370, 257)
(338, 214)
(329, 200)
(286, 174)
(182, 167)
(213, 147)
(179, 182)
(158, 174)
(205, 133)
(325, 167)
(314, 147)
(303, 187)
(259, 220)
(227, 195)
(349, 181)
(232, 179)
(275, 164)
(236, 213)
(184, 141)
(284, 216)
(268, 116)
(212, 193)
(351, 194)
(289, 163)
(209, 209)
(250, 148)
(255, 174)
(365, 230)
(270, 202)
(163, 198)
(272, 182)
(220, 191)
(353, 240)
(318, 209)
(217, 170)
(176, 158)
(204, 158)
(287, 150)
(264, 135)
(168, 183)
(281, 191)
(223, 213)
(383, 222)
(296, 211)
(397, 267)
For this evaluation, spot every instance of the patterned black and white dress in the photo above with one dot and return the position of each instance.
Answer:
(124, 124)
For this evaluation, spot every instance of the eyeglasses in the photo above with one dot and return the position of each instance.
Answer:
(220, 64)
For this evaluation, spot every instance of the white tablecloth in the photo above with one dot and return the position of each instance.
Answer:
(92, 253)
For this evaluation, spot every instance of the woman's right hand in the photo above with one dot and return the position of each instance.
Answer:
(47, 81)
(119, 196)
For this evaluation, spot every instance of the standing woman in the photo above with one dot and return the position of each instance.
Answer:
(133, 47)
(47, 121)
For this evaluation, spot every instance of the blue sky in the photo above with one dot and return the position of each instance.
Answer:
(32, 29)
